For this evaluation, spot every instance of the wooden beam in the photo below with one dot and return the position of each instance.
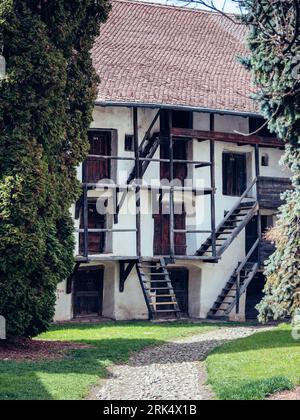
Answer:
(227, 137)
(172, 209)
(259, 218)
(213, 186)
(124, 273)
(137, 173)
(86, 220)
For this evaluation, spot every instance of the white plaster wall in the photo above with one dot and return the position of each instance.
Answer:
(63, 309)
(130, 304)
(109, 286)
(231, 124)
(195, 281)
(201, 121)
(275, 169)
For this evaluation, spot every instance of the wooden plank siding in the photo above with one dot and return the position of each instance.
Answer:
(270, 190)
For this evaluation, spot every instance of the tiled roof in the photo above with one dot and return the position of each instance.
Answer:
(155, 54)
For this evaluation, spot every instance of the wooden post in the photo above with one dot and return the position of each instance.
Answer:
(172, 215)
(213, 186)
(86, 220)
(138, 174)
(238, 285)
(259, 222)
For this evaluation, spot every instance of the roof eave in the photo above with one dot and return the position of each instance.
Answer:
(177, 107)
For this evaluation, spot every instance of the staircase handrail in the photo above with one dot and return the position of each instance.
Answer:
(147, 135)
(242, 265)
(230, 213)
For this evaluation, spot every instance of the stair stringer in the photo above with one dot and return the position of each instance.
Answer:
(215, 276)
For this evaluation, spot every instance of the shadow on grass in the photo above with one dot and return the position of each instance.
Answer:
(72, 377)
(69, 378)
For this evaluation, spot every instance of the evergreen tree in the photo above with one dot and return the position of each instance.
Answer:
(274, 43)
(46, 104)
(274, 60)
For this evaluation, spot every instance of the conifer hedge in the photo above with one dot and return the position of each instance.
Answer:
(46, 104)
(274, 42)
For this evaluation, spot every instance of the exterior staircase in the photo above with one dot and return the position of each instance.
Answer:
(158, 290)
(234, 222)
(235, 287)
(147, 150)
(229, 228)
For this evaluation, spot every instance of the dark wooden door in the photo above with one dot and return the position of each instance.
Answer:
(88, 292)
(162, 234)
(96, 241)
(162, 221)
(234, 174)
(180, 283)
(254, 295)
(98, 169)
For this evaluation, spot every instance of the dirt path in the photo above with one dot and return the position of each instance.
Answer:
(174, 371)
(286, 396)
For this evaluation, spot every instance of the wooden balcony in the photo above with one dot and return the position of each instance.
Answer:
(270, 191)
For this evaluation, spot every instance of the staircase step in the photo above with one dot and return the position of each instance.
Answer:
(162, 296)
(157, 274)
(148, 266)
(162, 303)
(166, 310)
(156, 281)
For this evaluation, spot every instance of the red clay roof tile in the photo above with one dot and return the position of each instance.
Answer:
(155, 54)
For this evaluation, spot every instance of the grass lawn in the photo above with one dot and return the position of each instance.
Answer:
(73, 377)
(255, 367)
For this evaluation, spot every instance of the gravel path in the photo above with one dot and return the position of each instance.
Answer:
(173, 371)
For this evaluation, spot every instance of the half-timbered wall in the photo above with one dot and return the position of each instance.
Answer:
(205, 280)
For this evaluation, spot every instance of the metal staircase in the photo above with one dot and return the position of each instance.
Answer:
(230, 227)
(158, 290)
(235, 287)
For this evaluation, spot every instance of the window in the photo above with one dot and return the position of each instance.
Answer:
(129, 143)
(234, 174)
(265, 160)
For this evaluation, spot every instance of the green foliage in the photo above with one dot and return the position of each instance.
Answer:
(72, 377)
(274, 43)
(46, 103)
(252, 368)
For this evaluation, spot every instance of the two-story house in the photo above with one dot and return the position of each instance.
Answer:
(177, 191)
